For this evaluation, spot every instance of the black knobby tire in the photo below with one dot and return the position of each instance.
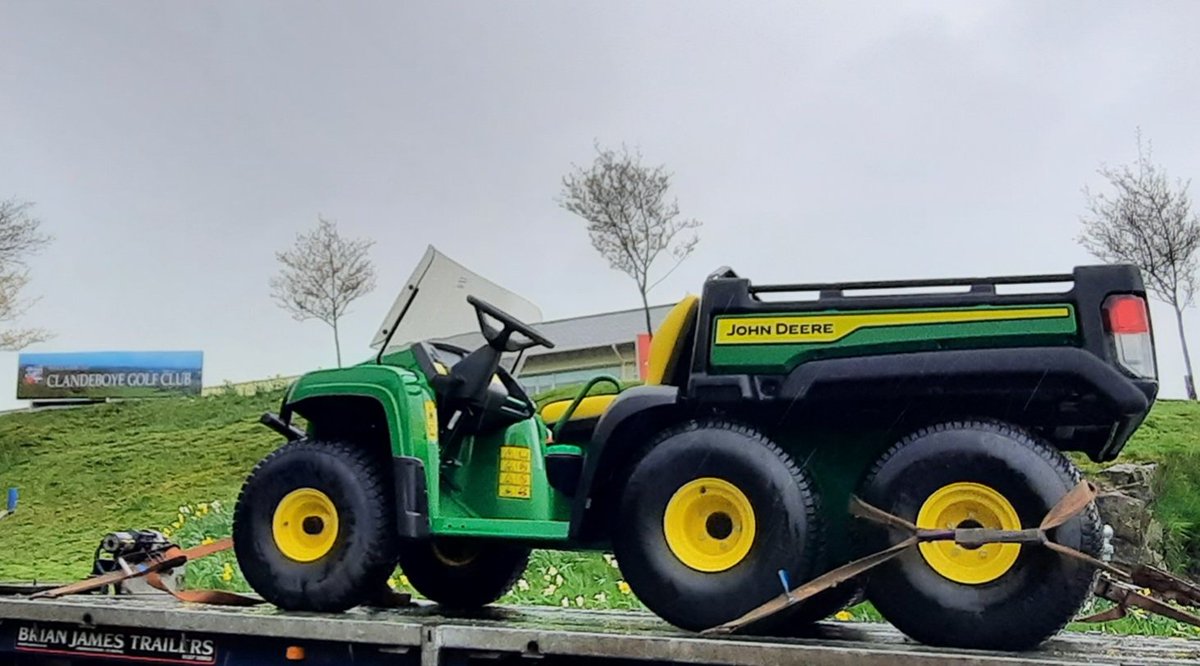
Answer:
(787, 535)
(364, 552)
(1031, 600)
(462, 573)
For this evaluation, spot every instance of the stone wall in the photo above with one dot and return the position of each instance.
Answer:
(1125, 500)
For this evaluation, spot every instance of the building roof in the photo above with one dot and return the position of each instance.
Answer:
(586, 332)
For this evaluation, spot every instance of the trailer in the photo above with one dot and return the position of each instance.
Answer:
(156, 629)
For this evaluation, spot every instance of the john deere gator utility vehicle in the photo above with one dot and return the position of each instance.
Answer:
(948, 403)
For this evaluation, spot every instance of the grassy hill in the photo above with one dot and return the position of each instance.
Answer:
(87, 471)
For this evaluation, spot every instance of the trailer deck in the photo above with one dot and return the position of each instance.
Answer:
(141, 629)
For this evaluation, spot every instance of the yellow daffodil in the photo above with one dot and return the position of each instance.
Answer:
(391, 582)
(206, 540)
(623, 587)
(404, 580)
(844, 616)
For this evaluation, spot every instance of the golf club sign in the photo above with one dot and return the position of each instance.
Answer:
(108, 374)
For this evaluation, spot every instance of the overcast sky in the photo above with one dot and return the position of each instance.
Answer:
(172, 148)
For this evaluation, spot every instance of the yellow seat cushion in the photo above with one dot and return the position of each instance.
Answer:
(589, 408)
(668, 342)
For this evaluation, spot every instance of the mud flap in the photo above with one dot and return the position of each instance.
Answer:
(412, 497)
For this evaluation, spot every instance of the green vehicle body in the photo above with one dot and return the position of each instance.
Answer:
(396, 389)
(833, 379)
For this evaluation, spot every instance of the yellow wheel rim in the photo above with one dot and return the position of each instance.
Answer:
(709, 525)
(969, 505)
(305, 525)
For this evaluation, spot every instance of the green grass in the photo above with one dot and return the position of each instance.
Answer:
(1173, 427)
(177, 464)
(1170, 437)
(86, 471)
(1177, 507)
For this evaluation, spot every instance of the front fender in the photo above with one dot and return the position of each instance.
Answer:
(404, 398)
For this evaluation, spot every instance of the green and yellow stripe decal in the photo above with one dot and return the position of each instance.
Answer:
(831, 327)
(778, 343)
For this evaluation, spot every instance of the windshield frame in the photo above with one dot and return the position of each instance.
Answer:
(444, 314)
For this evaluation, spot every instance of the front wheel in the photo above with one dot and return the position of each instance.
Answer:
(462, 573)
(313, 528)
(997, 596)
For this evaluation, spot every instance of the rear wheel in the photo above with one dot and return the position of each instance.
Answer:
(313, 527)
(462, 573)
(997, 596)
(708, 519)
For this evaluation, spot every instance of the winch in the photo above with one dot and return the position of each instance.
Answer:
(127, 550)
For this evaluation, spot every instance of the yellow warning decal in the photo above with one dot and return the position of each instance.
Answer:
(514, 453)
(521, 466)
(515, 472)
(431, 421)
(815, 328)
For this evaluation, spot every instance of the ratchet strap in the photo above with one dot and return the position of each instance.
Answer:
(156, 562)
(1071, 504)
(1165, 587)
(173, 556)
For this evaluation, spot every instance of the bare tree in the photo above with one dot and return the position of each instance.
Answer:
(20, 236)
(629, 217)
(1147, 221)
(321, 275)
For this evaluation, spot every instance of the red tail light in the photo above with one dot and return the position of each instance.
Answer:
(1127, 314)
(1129, 329)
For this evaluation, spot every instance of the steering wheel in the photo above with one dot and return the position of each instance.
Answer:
(502, 339)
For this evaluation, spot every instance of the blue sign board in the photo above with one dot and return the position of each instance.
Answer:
(112, 374)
